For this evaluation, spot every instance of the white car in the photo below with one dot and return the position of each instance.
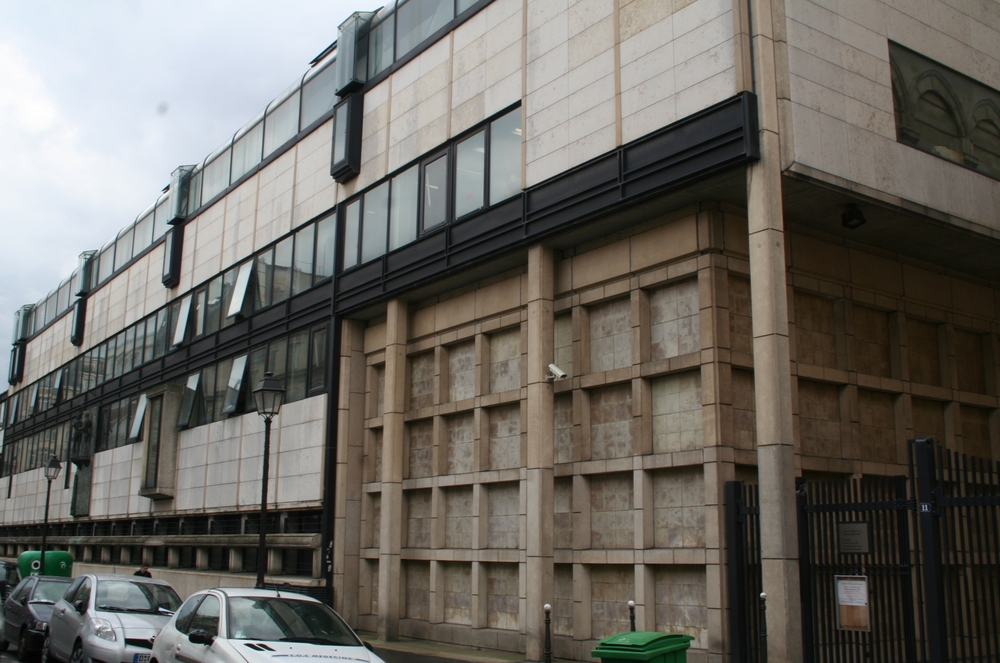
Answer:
(257, 626)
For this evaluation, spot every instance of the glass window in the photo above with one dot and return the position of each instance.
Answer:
(298, 366)
(215, 177)
(51, 304)
(303, 264)
(326, 243)
(470, 164)
(143, 233)
(373, 234)
(340, 126)
(234, 385)
(183, 315)
(222, 372)
(153, 457)
(123, 249)
(162, 333)
(199, 312)
(129, 349)
(282, 270)
(161, 217)
(403, 208)
(228, 285)
(240, 289)
(140, 344)
(206, 618)
(380, 45)
(317, 363)
(175, 310)
(63, 303)
(113, 367)
(462, 5)
(148, 352)
(258, 364)
(135, 431)
(264, 268)
(206, 416)
(505, 156)
(276, 356)
(418, 20)
(352, 233)
(194, 191)
(319, 94)
(184, 416)
(120, 354)
(436, 192)
(281, 124)
(213, 305)
(247, 151)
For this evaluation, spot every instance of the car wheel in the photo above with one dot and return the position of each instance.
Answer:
(44, 657)
(77, 655)
(22, 646)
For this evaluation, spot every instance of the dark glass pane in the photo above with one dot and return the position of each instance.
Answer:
(147, 355)
(340, 133)
(376, 219)
(140, 343)
(403, 207)
(281, 124)
(380, 46)
(419, 19)
(326, 245)
(228, 283)
(222, 371)
(298, 365)
(302, 275)
(215, 177)
(120, 354)
(436, 192)
(317, 363)
(282, 270)
(213, 306)
(264, 268)
(153, 446)
(505, 156)
(470, 167)
(352, 233)
(247, 151)
(129, 349)
(258, 364)
(175, 309)
(162, 333)
(199, 313)
(319, 94)
(276, 355)
(207, 389)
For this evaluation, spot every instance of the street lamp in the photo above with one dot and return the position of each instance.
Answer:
(267, 396)
(51, 472)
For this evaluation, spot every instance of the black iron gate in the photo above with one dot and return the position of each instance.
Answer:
(927, 547)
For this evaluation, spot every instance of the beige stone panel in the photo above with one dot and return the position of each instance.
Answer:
(498, 297)
(315, 190)
(973, 299)
(503, 505)
(928, 419)
(969, 361)
(818, 257)
(682, 602)
(417, 589)
(976, 432)
(876, 431)
(421, 392)
(819, 419)
(923, 351)
(455, 311)
(871, 341)
(207, 242)
(674, 320)
(601, 264)
(502, 596)
(677, 412)
(668, 242)
(611, 588)
(876, 272)
(815, 330)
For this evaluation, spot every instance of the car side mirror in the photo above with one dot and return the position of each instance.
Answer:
(368, 646)
(80, 605)
(200, 636)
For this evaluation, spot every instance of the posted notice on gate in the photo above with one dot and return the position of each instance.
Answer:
(852, 603)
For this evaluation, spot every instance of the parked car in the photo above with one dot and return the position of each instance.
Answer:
(256, 626)
(10, 575)
(109, 618)
(26, 613)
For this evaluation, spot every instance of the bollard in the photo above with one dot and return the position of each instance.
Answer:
(763, 627)
(547, 652)
(631, 613)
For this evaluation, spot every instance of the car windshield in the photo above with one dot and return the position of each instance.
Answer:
(286, 619)
(130, 596)
(49, 591)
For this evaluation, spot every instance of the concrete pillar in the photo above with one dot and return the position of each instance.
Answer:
(390, 607)
(540, 504)
(772, 376)
(201, 559)
(235, 560)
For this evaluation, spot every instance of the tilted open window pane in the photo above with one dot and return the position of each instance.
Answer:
(240, 289)
(282, 270)
(352, 233)
(505, 156)
(373, 235)
(470, 166)
(264, 268)
(403, 208)
(213, 305)
(135, 432)
(234, 385)
(183, 315)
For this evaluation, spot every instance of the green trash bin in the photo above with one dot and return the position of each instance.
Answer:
(649, 646)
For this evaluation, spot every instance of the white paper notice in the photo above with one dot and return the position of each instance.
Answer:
(852, 592)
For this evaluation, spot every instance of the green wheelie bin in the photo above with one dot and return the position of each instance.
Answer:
(647, 646)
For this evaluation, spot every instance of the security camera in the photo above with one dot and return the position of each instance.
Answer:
(556, 373)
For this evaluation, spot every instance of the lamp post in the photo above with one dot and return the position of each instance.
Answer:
(51, 472)
(267, 396)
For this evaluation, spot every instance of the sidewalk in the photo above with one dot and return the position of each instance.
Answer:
(419, 651)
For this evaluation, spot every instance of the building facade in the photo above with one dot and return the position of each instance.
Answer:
(539, 278)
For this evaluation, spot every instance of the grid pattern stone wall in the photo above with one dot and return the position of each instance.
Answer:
(924, 351)
(418, 589)
(422, 380)
(562, 423)
(975, 431)
(611, 588)
(612, 519)
(815, 330)
(502, 596)
(611, 335)
(505, 436)
(461, 449)
(457, 589)
(679, 508)
(740, 312)
(611, 421)
(819, 419)
(458, 517)
(419, 515)
(928, 418)
(462, 371)
(420, 435)
(677, 412)
(744, 411)
(682, 602)
(563, 328)
(674, 327)
(871, 341)
(505, 360)
(503, 500)
(562, 519)
(969, 361)
(562, 607)
(877, 426)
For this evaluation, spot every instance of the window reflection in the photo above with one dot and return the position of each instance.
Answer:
(419, 19)
(470, 163)
(373, 234)
(435, 192)
(352, 233)
(403, 208)
(505, 156)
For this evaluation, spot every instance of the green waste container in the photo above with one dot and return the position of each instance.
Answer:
(57, 563)
(650, 646)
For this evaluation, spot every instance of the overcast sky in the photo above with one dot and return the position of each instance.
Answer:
(101, 100)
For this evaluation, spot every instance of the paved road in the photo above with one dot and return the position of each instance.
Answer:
(387, 656)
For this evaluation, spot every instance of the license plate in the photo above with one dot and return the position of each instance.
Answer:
(141, 658)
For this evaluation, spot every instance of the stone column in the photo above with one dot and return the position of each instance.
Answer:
(393, 449)
(772, 376)
(540, 522)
